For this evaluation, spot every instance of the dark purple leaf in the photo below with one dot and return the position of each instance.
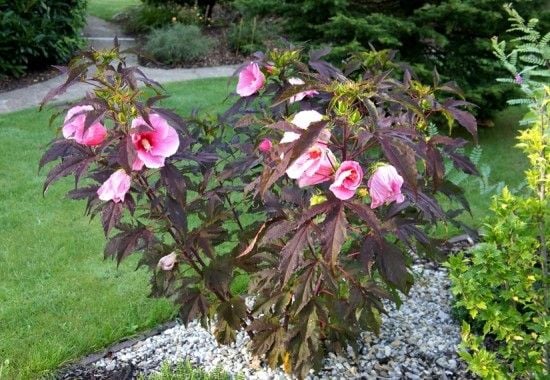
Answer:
(72, 165)
(463, 163)
(218, 274)
(176, 214)
(392, 265)
(365, 213)
(74, 74)
(125, 243)
(126, 154)
(60, 149)
(292, 252)
(193, 304)
(466, 119)
(334, 233)
(110, 216)
(428, 205)
(174, 182)
(402, 157)
(83, 192)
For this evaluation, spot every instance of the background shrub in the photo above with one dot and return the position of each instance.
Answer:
(177, 44)
(146, 17)
(452, 35)
(205, 5)
(510, 267)
(35, 34)
(251, 35)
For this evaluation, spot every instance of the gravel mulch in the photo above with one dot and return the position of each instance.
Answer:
(417, 341)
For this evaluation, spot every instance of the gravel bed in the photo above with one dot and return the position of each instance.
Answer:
(417, 341)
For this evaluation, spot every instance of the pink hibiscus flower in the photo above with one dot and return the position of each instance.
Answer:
(347, 179)
(313, 167)
(302, 120)
(153, 145)
(301, 95)
(116, 187)
(251, 79)
(385, 186)
(73, 127)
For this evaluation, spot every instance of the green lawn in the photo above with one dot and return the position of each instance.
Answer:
(507, 162)
(58, 299)
(106, 9)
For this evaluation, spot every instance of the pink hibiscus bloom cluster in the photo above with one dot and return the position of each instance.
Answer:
(318, 164)
(153, 144)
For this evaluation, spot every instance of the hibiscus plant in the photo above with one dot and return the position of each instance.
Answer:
(306, 198)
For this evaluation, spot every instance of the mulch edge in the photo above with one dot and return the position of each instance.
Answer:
(124, 343)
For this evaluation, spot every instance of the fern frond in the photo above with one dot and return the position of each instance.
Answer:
(506, 80)
(432, 130)
(533, 60)
(513, 58)
(540, 73)
(475, 155)
(515, 102)
(528, 48)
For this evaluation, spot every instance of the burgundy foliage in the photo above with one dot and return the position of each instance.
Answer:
(318, 267)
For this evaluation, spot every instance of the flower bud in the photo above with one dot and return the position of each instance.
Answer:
(167, 262)
(265, 146)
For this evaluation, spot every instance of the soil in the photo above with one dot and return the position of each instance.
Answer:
(219, 55)
(32, 77)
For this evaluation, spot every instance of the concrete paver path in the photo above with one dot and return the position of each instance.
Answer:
(100, 35)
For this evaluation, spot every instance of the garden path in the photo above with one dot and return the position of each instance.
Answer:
(100, 34)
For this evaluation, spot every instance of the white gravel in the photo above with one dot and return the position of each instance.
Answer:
(417, 341)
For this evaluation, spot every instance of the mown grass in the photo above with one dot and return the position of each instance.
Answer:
(107, 9)
(507, 164)
(58, 299)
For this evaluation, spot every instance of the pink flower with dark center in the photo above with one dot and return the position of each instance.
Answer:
(385, 186)
(313, 167)
(73, 127)
(347, 179)
(301, 95)
(518, 79)
(302, 120)
(251, 79)
(167, 262)
(153, 145)
(116, 187)
(265, 146)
